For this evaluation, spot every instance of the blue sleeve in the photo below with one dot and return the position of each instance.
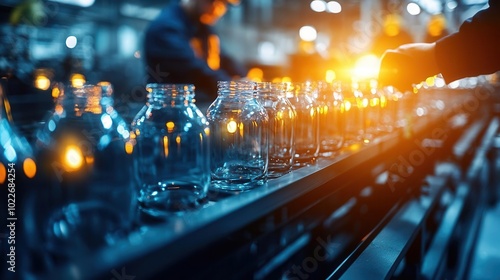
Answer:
(473, 50)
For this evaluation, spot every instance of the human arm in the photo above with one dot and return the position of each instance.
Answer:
(473, 50)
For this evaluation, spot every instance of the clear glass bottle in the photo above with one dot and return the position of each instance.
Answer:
(239, 137)
(307, 124)
(331, 121)
(87, 193)
(172, 150)
(282, 117)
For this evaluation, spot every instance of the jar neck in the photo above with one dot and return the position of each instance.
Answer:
(161, 95)
(85, 99)
(240, 89)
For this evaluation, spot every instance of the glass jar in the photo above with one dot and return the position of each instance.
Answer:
(353, 114)
(282, 117)
(239, 137)
(331, 120)
(87, 193)
(307, 124)
(172, 150)
(371, 107)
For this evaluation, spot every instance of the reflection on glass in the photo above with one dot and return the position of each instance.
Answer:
(282, 118)
(307, 124)
(239, 138)
(172, 150)
(86, 196)
(331, 121)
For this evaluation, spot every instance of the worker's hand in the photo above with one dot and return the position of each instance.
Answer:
(407, 65)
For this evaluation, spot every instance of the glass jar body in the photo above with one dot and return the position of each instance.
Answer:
(331, 120)
(88, 188)
(282, 118)
(239, 138)
(307, 143)
(172, 151)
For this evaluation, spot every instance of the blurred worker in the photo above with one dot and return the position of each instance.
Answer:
(471, 51)
(180, 46)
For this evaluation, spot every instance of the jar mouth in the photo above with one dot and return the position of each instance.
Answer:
(173, 87)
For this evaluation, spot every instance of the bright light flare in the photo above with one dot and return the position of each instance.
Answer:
(72, 158)
(366, 67)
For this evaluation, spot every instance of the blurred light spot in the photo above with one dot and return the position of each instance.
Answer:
(165, 145)
(330, 76)
(3, 173)
(366, 67)
(318, 5)
(129, 147)
(231, 126)
(413, 8)
(452, 5)
(51, 126)
(42, 82)
(56, 92)
(72, 158)
(106, 121)
(77, 80)
(255, 74)
(333, 7)
(170, 126)
(71, 42)
(308, 33)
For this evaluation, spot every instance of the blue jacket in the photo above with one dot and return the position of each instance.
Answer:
(170, 58)
(473, 50)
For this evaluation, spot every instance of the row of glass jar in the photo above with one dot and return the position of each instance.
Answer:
(94, 168)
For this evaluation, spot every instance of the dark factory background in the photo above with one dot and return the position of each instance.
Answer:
(46, 42)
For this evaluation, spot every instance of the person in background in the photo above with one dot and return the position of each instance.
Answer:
(471, 51)
(181, 46)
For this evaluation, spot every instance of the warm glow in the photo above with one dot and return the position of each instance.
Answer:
(178, 139)
(392, 25)
(42, 82)
(430, 81)
(170, 126)
(231, 126)
(255, 74)
(56, 92)
(29, 168)
(330, 76)
(129, 147)
(312, 112)
(77, 80)
(3, 173)
(72, 158)
(364, 102)
(436, 25)
(366, 67)
(347, 105)
(207, 131)
(59, 109)
(165, 145)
